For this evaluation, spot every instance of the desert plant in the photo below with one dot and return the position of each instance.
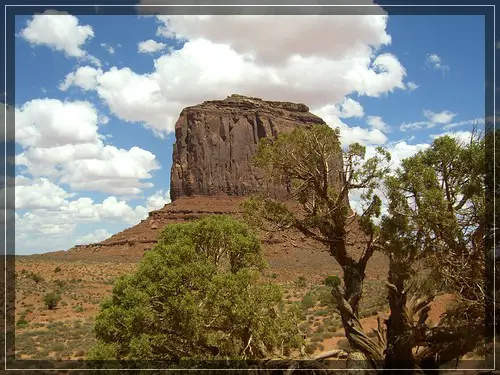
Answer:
(197, 294)
(301, 282)
(57, 269)
(332, 281)
(307, 302)
(51, 300)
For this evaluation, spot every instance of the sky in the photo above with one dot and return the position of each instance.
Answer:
(97, 98)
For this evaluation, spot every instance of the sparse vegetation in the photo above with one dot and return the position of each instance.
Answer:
(51, 300)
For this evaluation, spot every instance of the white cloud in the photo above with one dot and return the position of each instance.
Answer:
(84, 77)
(460, 136)
(61, 141)
(150, 46)
(281, 57)
(38, 193)
(97, 236)
(348, 135)
(443, 117)
(436, 62)
(351, 108)
(412, 86)
(475, 122)
(158, 200)
(60, 220)
(376, 122)
(59, 31)
(108, 48)
(50, 123)
(434, 119)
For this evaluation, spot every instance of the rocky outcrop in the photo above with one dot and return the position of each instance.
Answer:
(216, 142)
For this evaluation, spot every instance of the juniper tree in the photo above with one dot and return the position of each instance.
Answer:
(319, 176)
(196, 296)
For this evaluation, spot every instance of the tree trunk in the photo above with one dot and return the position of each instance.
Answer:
(348, 305)
(400, 340)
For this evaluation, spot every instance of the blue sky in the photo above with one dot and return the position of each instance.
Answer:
(97, 98)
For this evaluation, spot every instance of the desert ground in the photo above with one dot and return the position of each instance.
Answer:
(66, 332)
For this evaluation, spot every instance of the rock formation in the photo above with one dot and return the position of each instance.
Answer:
(216, 141)
(212, 173)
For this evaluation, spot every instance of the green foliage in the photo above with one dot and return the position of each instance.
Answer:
(22, 322)
(51, 300)
(196, 295)
(35, 277)
(332, 281)
(78, 308)
(308, 301)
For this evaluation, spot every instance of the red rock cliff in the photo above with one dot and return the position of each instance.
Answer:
(216, 141)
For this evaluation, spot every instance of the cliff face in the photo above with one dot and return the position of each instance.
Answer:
(217, 140)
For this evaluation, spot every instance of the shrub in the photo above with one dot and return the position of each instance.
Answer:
(60, 283)
(196, 294)
(332, 281)
(22, 322)
(344, 345)
(51, 300)
(33, 276)
(57, 269)
(301, 282)
(311, 348)
(307, 302)
(274, 275)
(78, 308)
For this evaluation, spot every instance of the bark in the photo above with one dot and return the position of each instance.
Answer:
(400, 340)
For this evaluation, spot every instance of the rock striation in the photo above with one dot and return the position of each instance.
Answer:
(216, 142)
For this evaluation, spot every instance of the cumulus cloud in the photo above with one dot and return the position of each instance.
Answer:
(38, 193)
(150, 46)
(61, 32)
(443, 117)
(84, 77)
(97, 236)
(462, 136)
(285, 57)
(434, 119)
(158, 200)
(348, 135)
(376, 122)
(436, 62)
(61, 141)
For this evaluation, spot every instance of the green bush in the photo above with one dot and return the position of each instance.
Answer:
(311, 348)
(78, 308)
(197, 295)
(22, 322)
(332, 281)
(51, 300)
(307, 302)
(33, 276)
